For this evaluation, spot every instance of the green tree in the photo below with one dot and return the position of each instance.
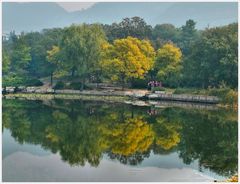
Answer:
(54, 58)
(188, 35)
(134, 27)
(80, 49)
(163, 33)
(5, 62)
(168, 64)
(40, 43)
(20, 56)
(213, 60)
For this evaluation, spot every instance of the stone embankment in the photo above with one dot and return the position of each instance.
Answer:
(135, 94)
(183, 97)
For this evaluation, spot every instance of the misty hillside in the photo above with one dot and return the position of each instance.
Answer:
(36, 16)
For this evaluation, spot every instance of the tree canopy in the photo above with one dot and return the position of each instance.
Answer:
(128, 58)
(129, 52)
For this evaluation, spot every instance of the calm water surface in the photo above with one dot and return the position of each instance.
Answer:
(66, 140)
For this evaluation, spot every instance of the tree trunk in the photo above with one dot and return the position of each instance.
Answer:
(82, 84)
(122, 81)
(132, 111)
(122, 86)
(73, 72)
(51, 80)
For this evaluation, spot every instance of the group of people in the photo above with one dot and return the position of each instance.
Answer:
(152, 84)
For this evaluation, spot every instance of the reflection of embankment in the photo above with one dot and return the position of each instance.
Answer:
(115, 99)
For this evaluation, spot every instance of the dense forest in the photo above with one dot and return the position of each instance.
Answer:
(130, 53)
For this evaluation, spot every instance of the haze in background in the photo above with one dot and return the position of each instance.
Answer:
(75, 6)
(39, 15)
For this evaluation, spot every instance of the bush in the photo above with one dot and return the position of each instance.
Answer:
(186, 91)
(77, 86)
(12, 81)
(59, 85)
(34, 82)
(231, 98)
(16, 81)
(227, 95)
(139, 83)
(158, 89)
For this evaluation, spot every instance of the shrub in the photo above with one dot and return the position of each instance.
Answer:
(59, 85)
(225, 94)
(14, 80)
(77, 86)
(231, 98)
(34, 82)
(185, 91)
(158, 89)
(139, 83)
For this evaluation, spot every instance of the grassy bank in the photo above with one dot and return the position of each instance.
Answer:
(34, 96)
(227, 96)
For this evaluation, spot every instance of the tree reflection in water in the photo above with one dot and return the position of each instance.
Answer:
(82, 131)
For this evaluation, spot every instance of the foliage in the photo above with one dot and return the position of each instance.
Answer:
(167, 133)
(139, 83)
(5, 62)
(20, 56)
(14, 80)
(227, 95)
(213, 58)
(40, 43)
(127, 58)
(76, 86)
(188, 36)
(233, 179)
(163, 33)
(130, 137)
(53, 56)
(34, 82)
(168, 64)
(80, 49)
(134, 27)
(59, 85)
(158, 89)
(208, 57)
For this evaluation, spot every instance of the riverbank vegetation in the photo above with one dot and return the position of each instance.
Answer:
(128, 54)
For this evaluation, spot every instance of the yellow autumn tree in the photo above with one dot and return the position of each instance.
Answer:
(168, 63)
(127, 58)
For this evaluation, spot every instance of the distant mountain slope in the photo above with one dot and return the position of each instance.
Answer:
(115, 11)
(212, 14)
(32, 16)
(36, 16)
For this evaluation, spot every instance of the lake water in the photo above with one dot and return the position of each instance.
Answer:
(74, 140)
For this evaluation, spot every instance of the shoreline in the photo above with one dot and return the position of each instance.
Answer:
(113, 99)
(129, 93)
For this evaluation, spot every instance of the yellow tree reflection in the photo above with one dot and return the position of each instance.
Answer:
(166, 133)
(132, 136)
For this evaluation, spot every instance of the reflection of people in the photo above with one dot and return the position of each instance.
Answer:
(152, 112)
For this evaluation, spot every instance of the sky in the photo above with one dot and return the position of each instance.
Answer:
(75, 6)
